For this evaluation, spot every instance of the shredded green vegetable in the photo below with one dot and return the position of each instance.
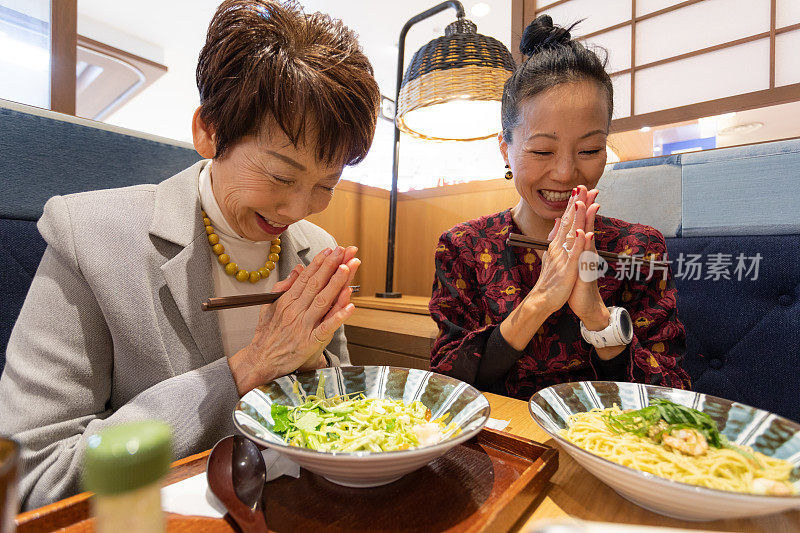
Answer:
(675, 416)
(353, 423)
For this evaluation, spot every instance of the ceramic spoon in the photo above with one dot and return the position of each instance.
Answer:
(228, 462)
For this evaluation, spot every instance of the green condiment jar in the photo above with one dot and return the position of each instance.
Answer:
(123, 466)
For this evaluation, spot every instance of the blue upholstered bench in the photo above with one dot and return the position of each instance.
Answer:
(718, 209)
(43, 154)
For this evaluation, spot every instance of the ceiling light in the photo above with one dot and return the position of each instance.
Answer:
(644, 129)
(740, 128)
(453, 86)
(481, 9)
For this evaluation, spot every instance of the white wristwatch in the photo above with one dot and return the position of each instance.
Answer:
(618, 332)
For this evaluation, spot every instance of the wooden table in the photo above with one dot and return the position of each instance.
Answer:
(572, 491)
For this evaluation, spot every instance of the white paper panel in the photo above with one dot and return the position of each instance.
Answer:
(622, 96)
(25, 52)
(594, 15)
(699, 26)
(787, 13)
(643, 7)
(617, 43)
(704, 77)
(787, 66)
(544, 3)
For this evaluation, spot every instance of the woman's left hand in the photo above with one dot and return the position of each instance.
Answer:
(318, 360)
(585, 300)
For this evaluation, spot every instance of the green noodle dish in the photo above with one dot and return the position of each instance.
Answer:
(354, 423)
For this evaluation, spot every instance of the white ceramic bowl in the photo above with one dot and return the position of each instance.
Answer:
(763, 431)
(468, 408)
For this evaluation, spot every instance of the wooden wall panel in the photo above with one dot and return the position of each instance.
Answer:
(359, 215)
(376, 337)
(410, 333)
(422, 216)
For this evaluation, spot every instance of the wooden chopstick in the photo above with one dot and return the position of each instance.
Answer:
(515, 239)
(244, 300)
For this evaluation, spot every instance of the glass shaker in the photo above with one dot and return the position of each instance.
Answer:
(124, 466)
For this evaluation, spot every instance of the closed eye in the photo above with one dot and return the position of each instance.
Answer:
(282, 180)
(540, 152)
(591, 152)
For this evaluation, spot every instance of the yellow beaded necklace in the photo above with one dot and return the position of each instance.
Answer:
(232, 269)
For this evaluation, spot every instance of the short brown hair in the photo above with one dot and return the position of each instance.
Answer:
(265, 61)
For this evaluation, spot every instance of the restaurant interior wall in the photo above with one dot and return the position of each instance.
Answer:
(357, 215)
(423, 215)
(725, 67)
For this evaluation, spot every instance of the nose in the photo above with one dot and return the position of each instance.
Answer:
(565, 167)
(295, 206)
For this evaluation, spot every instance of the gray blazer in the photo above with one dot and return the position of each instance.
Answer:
(112, 330)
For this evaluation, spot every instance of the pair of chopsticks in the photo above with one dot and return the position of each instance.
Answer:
(244, 300)
(515, 239)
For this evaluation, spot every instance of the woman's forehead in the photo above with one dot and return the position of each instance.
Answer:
(272, 139)
(303, 156)
(565, 108)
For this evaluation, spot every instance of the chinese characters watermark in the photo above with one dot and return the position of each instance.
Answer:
(714, 267)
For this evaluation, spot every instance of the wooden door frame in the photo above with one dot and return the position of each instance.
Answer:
(63, 54)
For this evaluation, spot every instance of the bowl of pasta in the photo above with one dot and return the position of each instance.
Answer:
(362, 426)
(678, 453)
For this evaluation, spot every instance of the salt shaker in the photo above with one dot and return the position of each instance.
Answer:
(124, 466)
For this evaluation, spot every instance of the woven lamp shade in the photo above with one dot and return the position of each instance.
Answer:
(452, 88)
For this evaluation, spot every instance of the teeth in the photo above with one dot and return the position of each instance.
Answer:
(271, 223)
(555, 196)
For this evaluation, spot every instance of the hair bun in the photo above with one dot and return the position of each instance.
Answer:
(541, 34)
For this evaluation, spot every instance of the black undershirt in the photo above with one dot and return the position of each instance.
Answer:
(499, 357)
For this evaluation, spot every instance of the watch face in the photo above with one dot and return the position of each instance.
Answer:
(625, 324)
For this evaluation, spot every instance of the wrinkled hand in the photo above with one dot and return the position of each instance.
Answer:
(293, 331)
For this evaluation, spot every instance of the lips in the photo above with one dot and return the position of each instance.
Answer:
(269, 227)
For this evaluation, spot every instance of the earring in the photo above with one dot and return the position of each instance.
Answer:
(509, 174)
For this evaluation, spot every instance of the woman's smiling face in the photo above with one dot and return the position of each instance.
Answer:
(264, 183)
(559, 143)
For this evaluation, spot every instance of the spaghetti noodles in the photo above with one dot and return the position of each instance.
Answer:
(727, 467)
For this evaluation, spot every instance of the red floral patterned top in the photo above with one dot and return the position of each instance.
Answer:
(480, 280)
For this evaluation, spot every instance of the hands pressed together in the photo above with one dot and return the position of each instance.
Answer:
(559, 281)
(293, 332)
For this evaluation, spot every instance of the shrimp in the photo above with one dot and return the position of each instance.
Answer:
(427, 433)
(687, 441)
(762, 485)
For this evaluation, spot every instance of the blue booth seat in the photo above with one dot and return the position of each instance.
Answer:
(718, 208)
(741, 331)
(43, 154)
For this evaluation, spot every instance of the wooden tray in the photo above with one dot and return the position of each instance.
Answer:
(485, 484)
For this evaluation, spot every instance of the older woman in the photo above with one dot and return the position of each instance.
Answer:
(112, 328)
(513, 320)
